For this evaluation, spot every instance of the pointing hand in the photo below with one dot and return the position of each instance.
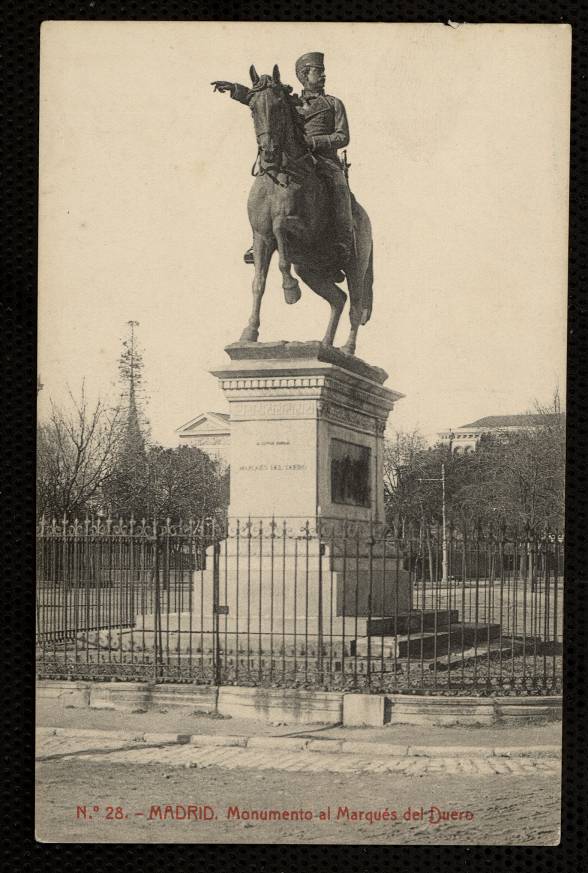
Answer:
(223, 86)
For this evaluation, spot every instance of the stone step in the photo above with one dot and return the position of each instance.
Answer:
(416, 644)
(185, 643)
(416, 620)
(460, 635)
(480, 654)
(427, 644)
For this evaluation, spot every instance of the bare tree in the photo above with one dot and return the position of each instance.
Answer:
(75, 454)
(521, 473)
(401, 460)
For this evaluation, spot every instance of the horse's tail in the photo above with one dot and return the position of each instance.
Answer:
(362, 287)
(368, 288)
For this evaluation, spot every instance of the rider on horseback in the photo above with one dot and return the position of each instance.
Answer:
(325, 130)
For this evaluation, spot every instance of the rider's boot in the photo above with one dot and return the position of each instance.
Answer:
(343, 243)
(248, 256)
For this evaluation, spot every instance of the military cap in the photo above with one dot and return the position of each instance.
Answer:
(310, 59)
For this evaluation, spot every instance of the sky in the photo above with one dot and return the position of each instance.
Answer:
(459, 152)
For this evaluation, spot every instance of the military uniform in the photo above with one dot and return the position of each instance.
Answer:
(325, 131)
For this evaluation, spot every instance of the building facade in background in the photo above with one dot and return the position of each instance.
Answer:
(211, 433)
(465, 439)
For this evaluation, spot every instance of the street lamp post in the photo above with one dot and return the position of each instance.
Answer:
(445, 579)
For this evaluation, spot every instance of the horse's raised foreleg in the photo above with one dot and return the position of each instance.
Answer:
(326, 289)
(290, 285)
(263, 249)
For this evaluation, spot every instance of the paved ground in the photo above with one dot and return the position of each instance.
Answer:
(113, 750)
(494, 809)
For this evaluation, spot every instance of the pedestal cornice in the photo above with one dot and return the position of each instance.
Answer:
(305, 370)
(303, 351)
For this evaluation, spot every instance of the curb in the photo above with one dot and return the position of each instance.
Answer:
(329, 746)
(129, 736)
(302, 706)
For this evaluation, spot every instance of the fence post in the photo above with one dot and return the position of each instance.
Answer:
(157, 640)
(369, 599)
(320, 628)
(64, 583)
(216, 652)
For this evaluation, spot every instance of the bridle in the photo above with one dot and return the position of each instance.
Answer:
(258, 170)
(288, 170)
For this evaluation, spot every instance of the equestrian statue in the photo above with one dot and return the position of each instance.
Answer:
(300, 203)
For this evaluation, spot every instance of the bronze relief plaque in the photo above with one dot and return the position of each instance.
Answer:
(350, 473)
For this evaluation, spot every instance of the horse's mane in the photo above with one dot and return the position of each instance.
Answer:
(293, 101)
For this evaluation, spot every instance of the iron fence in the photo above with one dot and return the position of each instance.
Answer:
(296, 603)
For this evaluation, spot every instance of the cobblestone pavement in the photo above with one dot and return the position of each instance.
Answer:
(113, 751)
(79, 799)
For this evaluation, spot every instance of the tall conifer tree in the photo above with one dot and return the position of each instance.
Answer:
(127, 491)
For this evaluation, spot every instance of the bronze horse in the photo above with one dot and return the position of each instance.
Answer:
(288, 211)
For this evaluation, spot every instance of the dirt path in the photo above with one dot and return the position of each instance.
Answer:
(495, 809)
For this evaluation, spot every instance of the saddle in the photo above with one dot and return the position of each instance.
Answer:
(329, 255)
(322, 257)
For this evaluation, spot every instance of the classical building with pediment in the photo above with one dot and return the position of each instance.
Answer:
(465, 439)
(211, 433)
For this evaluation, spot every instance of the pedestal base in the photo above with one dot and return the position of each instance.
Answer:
(299, 588)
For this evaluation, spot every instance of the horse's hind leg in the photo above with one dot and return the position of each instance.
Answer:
(290, 285)
(355, 318)
(263, 250)
(326, 289)
(356, 282)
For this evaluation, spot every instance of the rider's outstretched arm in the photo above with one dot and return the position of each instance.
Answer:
(240, 93)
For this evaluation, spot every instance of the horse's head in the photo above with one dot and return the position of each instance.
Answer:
(269, 102)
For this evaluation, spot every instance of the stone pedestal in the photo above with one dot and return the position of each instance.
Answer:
(307, 431)
(304, 558)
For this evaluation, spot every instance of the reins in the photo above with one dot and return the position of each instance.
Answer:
(258, 170)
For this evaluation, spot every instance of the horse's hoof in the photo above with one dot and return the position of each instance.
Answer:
(292, 293)
(348, 349)
(249, 335)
